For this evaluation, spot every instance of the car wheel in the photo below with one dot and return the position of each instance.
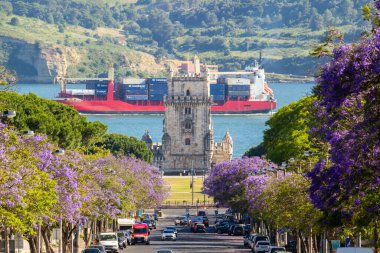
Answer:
(147, 243)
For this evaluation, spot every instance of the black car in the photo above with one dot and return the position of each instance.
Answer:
(223, 229)
(247, 229)
(149, 223)
(291, 246)
(231, 229)
(238, 230)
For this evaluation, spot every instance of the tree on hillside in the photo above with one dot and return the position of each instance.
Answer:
(15, 21)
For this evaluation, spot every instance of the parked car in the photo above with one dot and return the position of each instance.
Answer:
(109, 241)
(276, 249)
(128, 236)
(261, 246)
(224, 229)
(246, 240)
(231, 229)
(250, 240)
(99, 247)
(247, 229)
(257, 238)
(238, 229)
(140, 233)
(291, 246)
(200, 228)
(168, 234)
(122, 238)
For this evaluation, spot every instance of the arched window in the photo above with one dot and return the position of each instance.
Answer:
(187, 142)
(188, 125)
(187, 111)
(188, 93)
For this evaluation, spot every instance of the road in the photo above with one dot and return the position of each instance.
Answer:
(187, 241)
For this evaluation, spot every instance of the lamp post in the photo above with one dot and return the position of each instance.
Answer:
(60, 152)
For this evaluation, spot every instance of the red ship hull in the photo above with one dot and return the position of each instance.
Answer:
(122, 107)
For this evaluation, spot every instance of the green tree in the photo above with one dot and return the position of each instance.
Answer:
(122, 145)
(288, 135)
(63, 124)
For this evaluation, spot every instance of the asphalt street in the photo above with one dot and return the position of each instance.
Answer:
(187, 241)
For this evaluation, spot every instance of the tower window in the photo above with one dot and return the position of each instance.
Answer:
(187, 92)
(187, 142)
(187, 111)
(188, 125)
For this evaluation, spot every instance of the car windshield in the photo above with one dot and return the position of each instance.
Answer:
(107, 237)
(168, 231)
(100, 247)
(171, 228)
(139, 230)
(261, 238)
(92, 250)
(263, 243)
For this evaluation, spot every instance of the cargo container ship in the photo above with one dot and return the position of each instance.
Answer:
(244, 92)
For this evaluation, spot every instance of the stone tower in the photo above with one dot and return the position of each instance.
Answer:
(223, 151)
(188, 137)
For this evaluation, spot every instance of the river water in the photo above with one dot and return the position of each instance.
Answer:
(246, 130)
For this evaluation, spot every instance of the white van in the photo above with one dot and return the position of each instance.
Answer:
(109, 241)
(354, 250)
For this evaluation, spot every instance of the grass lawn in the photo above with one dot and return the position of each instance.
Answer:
(181, 191)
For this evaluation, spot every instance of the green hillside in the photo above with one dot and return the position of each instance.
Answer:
(228, 33)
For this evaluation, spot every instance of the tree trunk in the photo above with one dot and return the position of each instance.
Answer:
(303, 242)
(376, 237)
(6, 240)
(46, 237)
(315, 243)
(32, 244)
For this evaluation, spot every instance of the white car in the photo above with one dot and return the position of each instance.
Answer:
(261, 246)
(168, 234)
(109, 241)
(276, 249)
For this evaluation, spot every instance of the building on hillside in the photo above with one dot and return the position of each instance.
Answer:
(188, 139)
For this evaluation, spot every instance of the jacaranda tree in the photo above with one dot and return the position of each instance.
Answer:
(347, 186)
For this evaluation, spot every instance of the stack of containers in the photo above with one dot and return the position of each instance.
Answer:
(158, 88)
(100, 88)
(238, 87)
(135, 89)
(218, 91)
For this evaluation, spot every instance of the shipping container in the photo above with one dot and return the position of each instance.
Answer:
(237, 81)
(136, 87)
(157, 80)
(134, 81)
(218, 97)
(239, 93)
(136, 97)
(136, 92)
(238, 88)
(217, 92)
(101, 92)
(156, 97)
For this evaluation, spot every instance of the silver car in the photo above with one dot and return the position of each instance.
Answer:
(168, 234)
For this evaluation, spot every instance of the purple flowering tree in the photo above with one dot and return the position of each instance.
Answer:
(27, 194)
(346, 187)
(233, 183)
